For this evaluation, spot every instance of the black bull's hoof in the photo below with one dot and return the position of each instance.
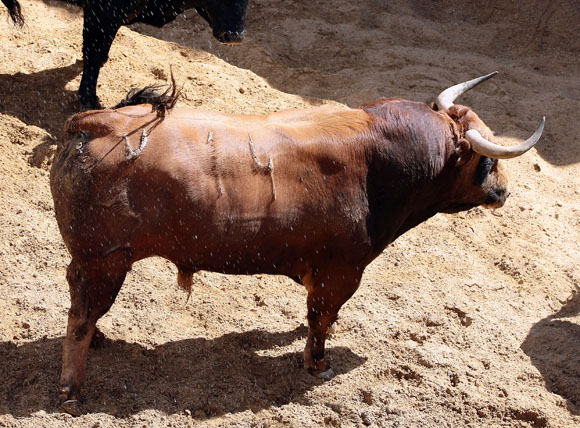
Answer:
(88, 102)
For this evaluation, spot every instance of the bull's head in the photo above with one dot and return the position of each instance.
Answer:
(227, 18)
(484, 180)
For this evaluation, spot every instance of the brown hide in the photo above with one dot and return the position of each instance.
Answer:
(313, 194)
(198, 196)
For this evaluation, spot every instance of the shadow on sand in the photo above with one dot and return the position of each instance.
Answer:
(228, 374)
(40, 99)
(553, 344)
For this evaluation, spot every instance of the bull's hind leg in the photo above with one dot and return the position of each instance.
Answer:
(93, 286)
(328, 290)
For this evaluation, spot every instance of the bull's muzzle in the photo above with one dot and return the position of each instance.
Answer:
(496, 198)
(230, 36)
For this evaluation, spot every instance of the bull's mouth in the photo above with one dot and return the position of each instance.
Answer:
(496, 198)
(229, 37)
(456, 208)
(494, 205)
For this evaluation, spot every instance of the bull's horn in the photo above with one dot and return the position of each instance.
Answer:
(491, 150)
(446, 98)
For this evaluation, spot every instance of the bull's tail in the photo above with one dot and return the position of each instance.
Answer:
(15, 11)
(162, 102)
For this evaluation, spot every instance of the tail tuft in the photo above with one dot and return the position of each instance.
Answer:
(162, 102)
(185, 281)
(15, 11)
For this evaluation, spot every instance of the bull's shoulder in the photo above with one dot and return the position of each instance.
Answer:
(403, 111)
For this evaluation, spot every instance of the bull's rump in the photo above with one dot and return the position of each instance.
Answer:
(204, 196)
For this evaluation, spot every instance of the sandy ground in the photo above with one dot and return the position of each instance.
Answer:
(467, 320)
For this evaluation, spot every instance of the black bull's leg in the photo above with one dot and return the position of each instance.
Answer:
(99, 31)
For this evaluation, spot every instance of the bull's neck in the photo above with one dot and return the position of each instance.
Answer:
(408, 178)
(393, 213)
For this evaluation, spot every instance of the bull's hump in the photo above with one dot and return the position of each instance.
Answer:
(327, 122)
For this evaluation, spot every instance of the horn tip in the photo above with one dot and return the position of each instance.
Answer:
(542, 123)
(490, 75)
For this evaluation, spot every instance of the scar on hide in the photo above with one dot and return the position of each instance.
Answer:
(82, 138)
(133, 154)
(214, 166)
(267, 169)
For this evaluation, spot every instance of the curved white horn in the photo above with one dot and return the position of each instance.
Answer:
(491, 150)
(446, 98)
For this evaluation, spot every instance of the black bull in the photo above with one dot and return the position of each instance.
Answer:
(103, 18)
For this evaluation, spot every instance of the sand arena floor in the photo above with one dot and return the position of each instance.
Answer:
(468, 320)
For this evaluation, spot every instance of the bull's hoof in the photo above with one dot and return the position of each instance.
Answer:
(72, 407)
(322, 374)
(89, 103)
(326, 375)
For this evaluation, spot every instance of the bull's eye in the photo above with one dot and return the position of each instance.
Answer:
(484, 167)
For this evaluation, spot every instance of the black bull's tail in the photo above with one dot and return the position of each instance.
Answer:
(15, 11)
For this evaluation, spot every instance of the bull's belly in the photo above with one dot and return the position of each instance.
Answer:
(225, 259)
(271, 249)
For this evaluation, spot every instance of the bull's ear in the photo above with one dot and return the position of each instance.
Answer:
(463, 152)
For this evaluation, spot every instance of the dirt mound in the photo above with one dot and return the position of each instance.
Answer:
(467, 320)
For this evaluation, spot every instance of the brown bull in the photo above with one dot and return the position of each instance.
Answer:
(312, 194)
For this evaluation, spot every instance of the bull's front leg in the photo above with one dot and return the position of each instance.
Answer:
(328, 289)
(99, 30)
(93, 289)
